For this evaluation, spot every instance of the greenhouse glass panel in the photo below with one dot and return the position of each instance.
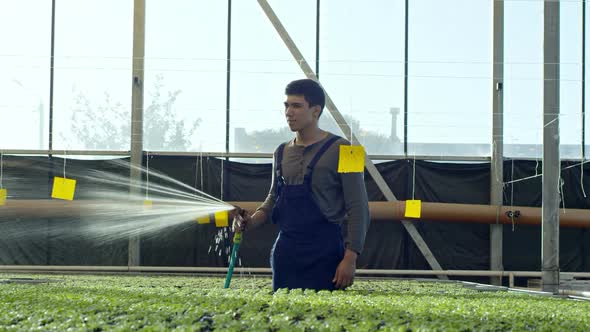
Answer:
(261, 68)
(570, 71)
(25, 44)
(450, 78)
(185, 76)
(523, 79)
(92, 82)
(362, 68)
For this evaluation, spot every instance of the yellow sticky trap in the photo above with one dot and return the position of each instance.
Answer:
(3, 195)
(63, 188)
(148, 203)
(352, 159)
(221, 219)
(413, 209)
(203, 220)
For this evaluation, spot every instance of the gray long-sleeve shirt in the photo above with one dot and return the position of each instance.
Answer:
(341, 197)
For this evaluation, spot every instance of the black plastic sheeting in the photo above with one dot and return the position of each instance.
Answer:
(52, 241)
(455, 245)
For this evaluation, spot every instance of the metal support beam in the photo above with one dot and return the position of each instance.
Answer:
(317, 38)
(406, 72)
(73, 153)
(551, 165)
(308, 71)
(228, 79)
(497, 164)
(583, 83)
(379, 211)
(51, 76)
(137, 112)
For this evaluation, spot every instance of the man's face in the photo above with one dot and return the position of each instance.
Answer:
(298, 113)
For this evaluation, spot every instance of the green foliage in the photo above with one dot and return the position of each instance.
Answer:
(107, 126)
(164, 129)
(103, 127)
(268, 139)
(123, 303)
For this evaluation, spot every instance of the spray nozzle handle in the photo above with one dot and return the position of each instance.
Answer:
(237, 237)
(239, 223)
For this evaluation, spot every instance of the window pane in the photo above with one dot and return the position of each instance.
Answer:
(523, 78)
(92, 82)
(185, 91)
(261, 68)
(25, 44)
(450, 78)
(570, 71)
(523, 98)
(362, 68)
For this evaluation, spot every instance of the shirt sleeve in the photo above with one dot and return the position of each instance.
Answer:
(357, 209)
(270, 200)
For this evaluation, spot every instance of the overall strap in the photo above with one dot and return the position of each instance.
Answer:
(280, 181)
(279, 161)
(319, 155)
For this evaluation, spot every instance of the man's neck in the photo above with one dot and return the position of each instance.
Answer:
(308, 136)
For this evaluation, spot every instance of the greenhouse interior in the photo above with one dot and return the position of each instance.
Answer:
(312, 165)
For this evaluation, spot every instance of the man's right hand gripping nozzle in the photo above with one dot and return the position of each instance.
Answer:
(241, 220)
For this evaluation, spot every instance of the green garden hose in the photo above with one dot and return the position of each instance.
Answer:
(232, 261)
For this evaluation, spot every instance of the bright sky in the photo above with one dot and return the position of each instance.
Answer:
(361, 65)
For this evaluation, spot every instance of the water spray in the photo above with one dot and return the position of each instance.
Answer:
(107, 211)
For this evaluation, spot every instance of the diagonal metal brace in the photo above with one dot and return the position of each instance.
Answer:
(308, 71)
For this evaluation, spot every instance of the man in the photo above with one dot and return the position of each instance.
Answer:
(310, 201)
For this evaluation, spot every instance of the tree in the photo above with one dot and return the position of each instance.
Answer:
(108, 125)
(105, 127)
(163, 129)
(268, 139)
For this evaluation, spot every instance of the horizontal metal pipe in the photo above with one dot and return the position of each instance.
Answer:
(529, 291)
(467, 213)
(196, 269)
(380, 211)
(70, 153)
(248, 155)
(63, 268)
(571, 292)
(245, 155)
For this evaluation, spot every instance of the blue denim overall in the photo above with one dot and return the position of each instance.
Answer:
(309, 247)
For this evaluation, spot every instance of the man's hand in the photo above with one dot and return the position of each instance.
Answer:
(344, 276)
(241, 220)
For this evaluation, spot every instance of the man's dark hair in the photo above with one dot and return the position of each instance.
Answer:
(310, 90)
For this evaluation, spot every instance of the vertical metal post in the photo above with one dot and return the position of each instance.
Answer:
(137, 113)
(583, 81)
(227, 79)
(227, 100)
(317, 39)
(406, 60)
(51, 73)
(50, 129)
(497, 164)
(551, 163)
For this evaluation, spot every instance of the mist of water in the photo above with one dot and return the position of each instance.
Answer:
(116, 208)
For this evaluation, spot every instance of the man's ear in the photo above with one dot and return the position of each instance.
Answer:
(317, 111)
